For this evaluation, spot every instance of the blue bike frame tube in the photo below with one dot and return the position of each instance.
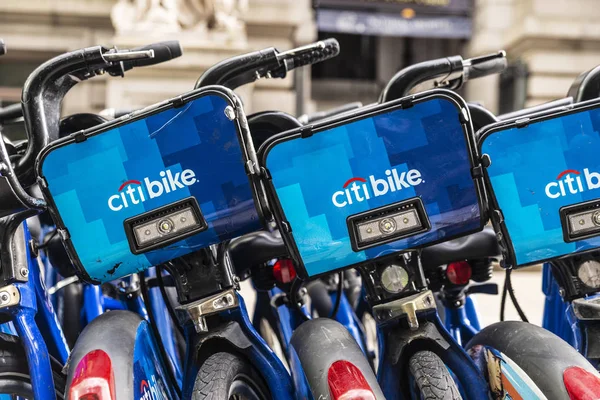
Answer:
(462, 366)
(92, 302)
(38, 358)
(472, 314)
(45, 316)
(288, 320)
(165, 327)
(458, 324)
(555, 318)
(263, 358)
(108, 303)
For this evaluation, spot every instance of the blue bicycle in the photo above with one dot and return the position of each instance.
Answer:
(32, 336)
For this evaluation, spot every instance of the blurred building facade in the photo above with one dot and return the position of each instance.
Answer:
(549, 42)
(36, 30)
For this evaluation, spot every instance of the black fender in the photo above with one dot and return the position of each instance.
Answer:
(223, 337)
(320, 342)
(542, 355)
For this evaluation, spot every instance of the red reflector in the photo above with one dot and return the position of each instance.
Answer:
(459, 273)
(581, 384)
(94, 378)
(284, 270)
(346, 382)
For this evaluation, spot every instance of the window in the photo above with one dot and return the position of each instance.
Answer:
(356, 61)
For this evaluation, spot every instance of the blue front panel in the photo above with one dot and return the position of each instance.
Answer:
(188, 151)
(397, 155)
(538, 169)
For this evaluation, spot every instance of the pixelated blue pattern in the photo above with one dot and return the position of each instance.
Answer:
(149, 373)
(427, 137)
(198, 136)
(524, 161)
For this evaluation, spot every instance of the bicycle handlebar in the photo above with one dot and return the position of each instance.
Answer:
(163, 51)
(586, 86)
(246, 68)
(479, 67)
(406, 79)
(10, 113)
(46, 87)
(450, 69)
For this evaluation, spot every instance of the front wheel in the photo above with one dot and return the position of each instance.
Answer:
(522, 358)
(14, 373)
(430, 379)
(228, 376)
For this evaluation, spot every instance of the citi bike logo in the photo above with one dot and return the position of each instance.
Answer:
(570, 181)
(137, 193)
(359, 189)
(151, 389)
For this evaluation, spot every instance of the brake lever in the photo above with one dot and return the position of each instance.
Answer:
(116, 56)
(484, 288)
(289, 54)
(485, 58)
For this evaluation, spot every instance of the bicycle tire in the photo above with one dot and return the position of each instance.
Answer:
(228, 376)
(14, 372)
(539, 353)
(431, 377)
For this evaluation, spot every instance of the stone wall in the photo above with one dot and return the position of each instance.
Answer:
(556, 39)
(36, 30)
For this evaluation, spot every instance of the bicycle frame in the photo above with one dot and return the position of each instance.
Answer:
(398, 342)
(33, 317)
(235, 331)
(285, 319)
(95, 303)
(462, 322)
(555, 308)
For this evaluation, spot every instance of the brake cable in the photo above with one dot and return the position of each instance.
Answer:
(338, 297)
(508, 288)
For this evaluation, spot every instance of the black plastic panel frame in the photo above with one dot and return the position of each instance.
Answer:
(244, 137)
(415, 203)
(354, 115)
(494, 211)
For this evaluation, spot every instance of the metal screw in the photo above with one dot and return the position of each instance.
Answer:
(596, 217)
(229, 113)
(24, 272)
(4, 297)
(33, 248)
(561, 291)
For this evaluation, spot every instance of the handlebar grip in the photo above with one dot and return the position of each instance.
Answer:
(323, 50)
(163, 51)
(489, 67)
(9, 113)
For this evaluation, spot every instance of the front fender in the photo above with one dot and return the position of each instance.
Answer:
(138, 369)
